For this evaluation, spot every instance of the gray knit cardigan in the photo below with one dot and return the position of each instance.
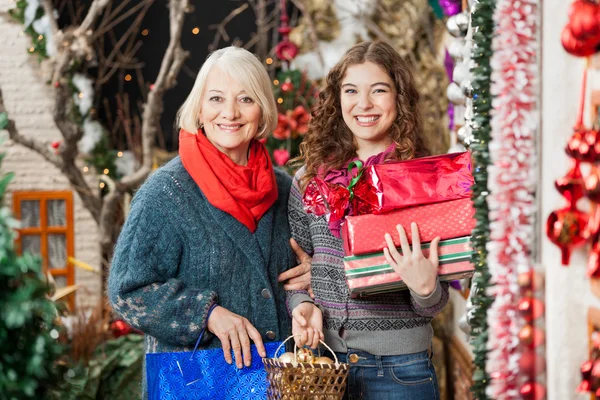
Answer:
(177, 255)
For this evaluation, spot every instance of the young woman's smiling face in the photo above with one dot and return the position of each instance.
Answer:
(230, 116)
(368, 101)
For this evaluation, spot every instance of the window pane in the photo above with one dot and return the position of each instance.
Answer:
(57, 251)
(61, 281)
(57, 213)
(31, 244)
(30, 213)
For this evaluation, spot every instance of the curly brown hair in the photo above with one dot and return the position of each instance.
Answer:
(329, 142)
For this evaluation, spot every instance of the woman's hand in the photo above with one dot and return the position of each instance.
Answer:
(307, 321)
(298, 278)
(235, 333)
(419, 273)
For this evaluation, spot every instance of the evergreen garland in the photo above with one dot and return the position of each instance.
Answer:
(483, 29)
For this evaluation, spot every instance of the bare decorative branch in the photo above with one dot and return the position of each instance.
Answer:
(35, 145)
(169, 70)
(221, 32)
(92, 16)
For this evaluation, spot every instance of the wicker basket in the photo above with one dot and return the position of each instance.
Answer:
(305, 381)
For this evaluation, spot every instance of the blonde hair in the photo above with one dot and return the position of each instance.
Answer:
(243, 66)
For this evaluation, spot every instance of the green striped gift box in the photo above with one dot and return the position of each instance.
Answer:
(370, 273)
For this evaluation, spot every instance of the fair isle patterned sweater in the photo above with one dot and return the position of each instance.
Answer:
(384, 324)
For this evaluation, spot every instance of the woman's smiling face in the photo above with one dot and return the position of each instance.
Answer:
(230, 116)
(368, 102)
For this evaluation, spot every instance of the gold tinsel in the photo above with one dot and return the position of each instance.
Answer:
(412, 29)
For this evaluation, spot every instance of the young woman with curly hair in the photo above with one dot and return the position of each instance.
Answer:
(369, 110)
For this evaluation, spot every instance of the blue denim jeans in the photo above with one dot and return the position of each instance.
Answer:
(407, 376)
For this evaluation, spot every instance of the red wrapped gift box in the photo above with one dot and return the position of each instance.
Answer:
(370, 274)
(364, 234)
(395, 185)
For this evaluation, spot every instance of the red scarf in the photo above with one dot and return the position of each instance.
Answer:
(244, 192)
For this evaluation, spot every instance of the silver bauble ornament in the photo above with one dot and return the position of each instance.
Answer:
(452, 27)
(456, 49)
(464, 325)
(462, 21)
(456, 25)
(455, 94)
(460, 73)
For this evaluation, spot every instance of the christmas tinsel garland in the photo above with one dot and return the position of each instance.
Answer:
(483, 29)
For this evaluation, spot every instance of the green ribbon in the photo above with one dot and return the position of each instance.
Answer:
(359, 166)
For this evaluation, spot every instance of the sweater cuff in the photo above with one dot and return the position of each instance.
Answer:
(432, 299)
(298, 298)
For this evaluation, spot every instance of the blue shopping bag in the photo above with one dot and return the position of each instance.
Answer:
(205, 375)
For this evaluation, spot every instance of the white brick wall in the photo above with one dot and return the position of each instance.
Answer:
(28, 102)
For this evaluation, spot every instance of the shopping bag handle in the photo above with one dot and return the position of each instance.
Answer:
(210, 310)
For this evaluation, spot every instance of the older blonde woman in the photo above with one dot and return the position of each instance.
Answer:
(210, 228)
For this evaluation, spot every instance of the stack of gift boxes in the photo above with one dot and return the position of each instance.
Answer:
(434, 192)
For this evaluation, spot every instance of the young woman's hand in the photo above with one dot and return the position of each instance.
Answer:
(235, 333)
(298, 278)
(419, 273)
(307, 321)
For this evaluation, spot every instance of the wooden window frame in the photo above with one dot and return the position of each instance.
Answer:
(44, 230)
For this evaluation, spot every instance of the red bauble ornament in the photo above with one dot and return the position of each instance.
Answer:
(120, 328)
(55, 145)
(530, 363)
(577, 47)
(533, 391)
(571, 185)
(591, 184)
(567, 229)
(586, 369)
(584, 387)
(583, 20)
(287, 86)
(531, 308)
(286, 51)
(525, 279)
(593, 265)
(531, 337)
(584, 145)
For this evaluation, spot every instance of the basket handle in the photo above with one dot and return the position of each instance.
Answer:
(337, 364)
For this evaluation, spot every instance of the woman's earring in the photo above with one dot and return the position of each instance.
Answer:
(201, 126)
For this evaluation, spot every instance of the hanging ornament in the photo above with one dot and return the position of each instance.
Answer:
(456, 49)
(531, 308)
(460, 73)
(287, 86)
(285, 50)
(532, 391)
(55, 145)
(452, 27)
(530, 363)
(462, 22)
(455, 94)
(581, 35)
(567, 227)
